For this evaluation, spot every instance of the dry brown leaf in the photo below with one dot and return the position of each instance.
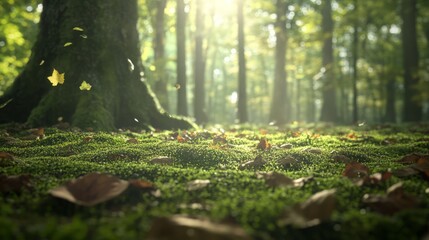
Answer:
(257, 163)
(394, 201)
(405, 172)
(179, 227)
(413, 158)
(15, 183)
(197, 184)
(91, 189)
(275, 179)
(286, 146)
(133, 141)
(356, 171)
(286, 161)
(263, 144)
(341, 158)
(313, 150)
(313, 211)
(162, 160)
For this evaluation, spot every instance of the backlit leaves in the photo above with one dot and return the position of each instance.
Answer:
(56, 78)
(84, 86)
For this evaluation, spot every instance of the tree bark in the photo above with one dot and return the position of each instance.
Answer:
(279, 100)
(159, 52)
(199, 67)
(355, 116)
(242, 82)
(182, 102)
(412, 107)
(329, 107)
(106, 55)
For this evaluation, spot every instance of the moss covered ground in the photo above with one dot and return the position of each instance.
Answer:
(235, 192)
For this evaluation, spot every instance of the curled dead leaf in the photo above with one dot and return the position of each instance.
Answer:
(90, 189)
(179, 227)
(356, 171)
(256, 163)
(313, 211)
(263, 144)
(162, 160)
(395, 200)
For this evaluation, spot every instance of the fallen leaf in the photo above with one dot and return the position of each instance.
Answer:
(275, 179)
(56, 78)
(313, 211)
(286, 161)
(413, 158)
(91, 189)
(341, 158)
(197, 184)
(263, 144)
(394, 201)
(133, 140)
(6, 159)
(405, 172)
(162, 160)
(356, 171)
(144, 186)
(179, 227)
(256, 163)
(313, 150)
(15, 183)
(286, 146)
(84, 86)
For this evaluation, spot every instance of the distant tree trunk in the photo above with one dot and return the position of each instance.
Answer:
(279, 98)
(199, 67)
(390, 112)
(182, 102)
(105, 54)
(412, 107)
(355, 56)
(242, 82)
(159, 49)
(329, 107)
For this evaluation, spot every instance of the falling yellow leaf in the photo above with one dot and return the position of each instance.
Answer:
(67, 44)
(56, 78)
(85, 86)
(78, 29)
(42, 62)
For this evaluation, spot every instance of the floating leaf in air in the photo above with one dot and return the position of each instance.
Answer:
(78, 29)
(56, 78)
(179, 227)
(5, 103)
(313, 211)
(91, 189)
(84, 86)
(67, 44)
(41, 62)
(130, 65)
(395, 200)
(197, 184)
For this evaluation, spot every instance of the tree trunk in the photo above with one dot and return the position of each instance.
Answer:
(105, 54)
(159, 50)
(199, 65)
(355, 116)
(329, 107)
(412, 107)
(242, 82)
(279, 100)
(182, 102)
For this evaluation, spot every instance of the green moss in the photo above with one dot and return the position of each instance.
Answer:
(232, 193)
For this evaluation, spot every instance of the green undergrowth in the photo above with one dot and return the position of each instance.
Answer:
(233, 193)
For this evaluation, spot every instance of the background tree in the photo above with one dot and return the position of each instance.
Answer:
(412, 107)
(329, 106)
(242, 81)
(199, 66)
(182, 97)
(279, 97)
(96, 42)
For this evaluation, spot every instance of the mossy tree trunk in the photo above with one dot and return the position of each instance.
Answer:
(105, 54)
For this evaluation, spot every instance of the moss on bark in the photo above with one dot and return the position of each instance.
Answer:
(105, 54)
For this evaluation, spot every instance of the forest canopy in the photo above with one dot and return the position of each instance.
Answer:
(373, 55)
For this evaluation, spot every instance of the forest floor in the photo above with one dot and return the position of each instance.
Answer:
(318, 182)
